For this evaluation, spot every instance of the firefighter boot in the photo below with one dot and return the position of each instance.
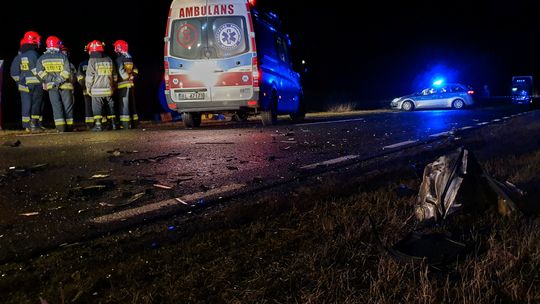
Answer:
(61, 128)
(34, 126)
(97, 127)
(113, 124)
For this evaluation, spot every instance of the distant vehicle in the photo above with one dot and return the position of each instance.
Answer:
(522, 90)
(227, 56)
(451, 95)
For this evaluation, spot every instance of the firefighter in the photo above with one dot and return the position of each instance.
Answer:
(100, 83)
(127, 72)
(54, 70)
(81, 76)
(23, 71)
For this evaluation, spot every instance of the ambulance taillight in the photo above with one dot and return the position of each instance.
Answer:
(166, 76)
(257, 73)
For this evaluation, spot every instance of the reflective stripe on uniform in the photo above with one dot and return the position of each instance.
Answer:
(101, 92)
(50, 85)
(16, 78)
(69, 121)
(64, 74)
(25, 119)
(67, 86)
(125, 84)
(24, 88)
(111, 117)
(97, 117)
(35, 116)
(89, 119)
(42, 74)
(59, 122)
(32, 80)
(135, 117)
(79, 78)
(124, 118)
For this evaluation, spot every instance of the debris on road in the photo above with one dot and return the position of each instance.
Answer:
(29, 214)
(99, 176)
(154, 159)
(162, 187)
(12, 144)
(181, 201)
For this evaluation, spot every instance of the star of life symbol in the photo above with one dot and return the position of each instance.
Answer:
(228, 36)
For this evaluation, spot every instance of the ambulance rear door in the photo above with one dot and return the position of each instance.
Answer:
(210, 61)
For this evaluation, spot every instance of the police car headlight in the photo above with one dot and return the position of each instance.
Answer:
(395, 100)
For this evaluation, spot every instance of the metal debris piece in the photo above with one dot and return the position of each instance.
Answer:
(162, 187)
(29, 214)
(457, 182)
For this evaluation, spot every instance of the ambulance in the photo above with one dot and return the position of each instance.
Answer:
(229, 57)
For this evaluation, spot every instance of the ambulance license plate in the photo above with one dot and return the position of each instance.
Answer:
(191, 95)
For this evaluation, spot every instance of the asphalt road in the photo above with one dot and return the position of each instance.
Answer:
(58, 188)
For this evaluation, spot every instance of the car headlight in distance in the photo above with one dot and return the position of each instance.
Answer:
(395, 100)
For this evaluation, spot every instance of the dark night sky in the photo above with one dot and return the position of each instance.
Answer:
(352, 50)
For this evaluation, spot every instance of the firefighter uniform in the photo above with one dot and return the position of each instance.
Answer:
(23, 72)
(81, 78)
(100, 83)
(54, 70)
(126, 76)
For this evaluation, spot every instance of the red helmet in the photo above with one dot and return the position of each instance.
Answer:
(53, 42)
(31, 37)
(95, 46)
(120, 46)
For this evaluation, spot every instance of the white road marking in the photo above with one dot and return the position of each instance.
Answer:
(496, 120)
(328, 122)
(330, 162)
(482, 123)
(404, 143)
(130, 213)
(441, 134)
(467, 127)
(506, 117)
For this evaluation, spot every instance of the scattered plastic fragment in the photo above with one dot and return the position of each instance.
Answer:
(29, 214)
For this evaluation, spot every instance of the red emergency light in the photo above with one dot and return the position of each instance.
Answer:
(470, 92)
(252, 2)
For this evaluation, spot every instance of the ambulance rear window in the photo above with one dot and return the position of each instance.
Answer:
(213, 37)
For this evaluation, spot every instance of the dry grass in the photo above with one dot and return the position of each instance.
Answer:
(299, 251)
(342, 108)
